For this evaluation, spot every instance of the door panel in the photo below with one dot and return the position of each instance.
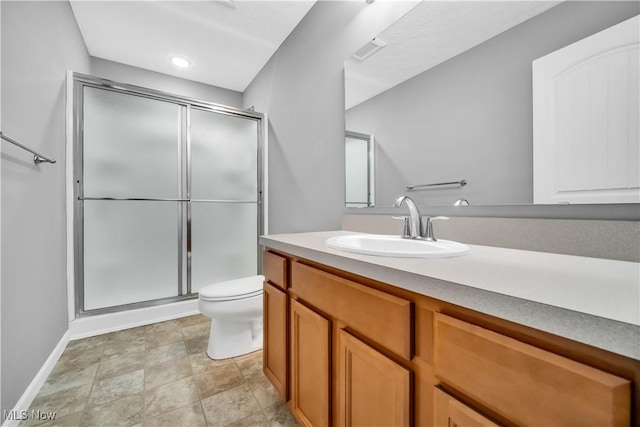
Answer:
(374, 390)
(224, 157)
(224, 242)
(130, 146)
(130, 252)
(275, 338)
(310, 353)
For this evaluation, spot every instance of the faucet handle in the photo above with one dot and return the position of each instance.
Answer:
(426, 227)
(406, 229)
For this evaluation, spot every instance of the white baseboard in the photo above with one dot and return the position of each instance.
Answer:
(38, 381)
(103, 323)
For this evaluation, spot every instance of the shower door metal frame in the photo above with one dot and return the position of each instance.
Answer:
(80, 81)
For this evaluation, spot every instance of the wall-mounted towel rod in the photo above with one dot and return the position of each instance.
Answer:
(37, 157)
(461, 183)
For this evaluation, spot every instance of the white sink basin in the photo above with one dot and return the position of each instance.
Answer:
(396, 246)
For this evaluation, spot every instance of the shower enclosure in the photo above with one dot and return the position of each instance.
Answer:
(168, 195)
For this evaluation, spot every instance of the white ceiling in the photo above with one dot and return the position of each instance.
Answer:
(228, 43)
(429, 34)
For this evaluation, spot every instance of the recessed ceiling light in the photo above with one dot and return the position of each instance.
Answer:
(180, 61)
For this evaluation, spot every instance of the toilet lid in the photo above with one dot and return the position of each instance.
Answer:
(233, 289)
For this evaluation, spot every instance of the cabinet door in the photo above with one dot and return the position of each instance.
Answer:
(449, 412)
(374, 390)
(275, 338)
(310, 339)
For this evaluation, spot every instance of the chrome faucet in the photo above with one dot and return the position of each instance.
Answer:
(414, 226)
(414, 217)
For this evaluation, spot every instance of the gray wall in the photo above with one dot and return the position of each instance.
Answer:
(40, 41)
(301, 89)
(471, 117)
(150, 79)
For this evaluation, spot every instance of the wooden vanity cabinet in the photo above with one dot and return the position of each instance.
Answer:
(275, 320)
(364, 353)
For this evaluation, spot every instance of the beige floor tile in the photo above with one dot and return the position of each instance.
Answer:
(170, 396)
(87, 343)
(168, 326)
(63, 403)
(263, 391)
(69, 379)
(248, 355)
(125, 412)
(166, 372)
(118, 365)
(198, 345)
(229, 406)
(161, 338)
(74, 359)
(200, 330)
(115, 388)
(121, 347)
(251, 366)
(156, 375)
(218, 379)
(193, 320)
(280, 416)
(201, 362)
(164, 353)
(187, 416)
(127, 334)
(255, 420)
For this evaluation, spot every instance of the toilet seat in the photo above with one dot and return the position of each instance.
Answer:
(231, 290)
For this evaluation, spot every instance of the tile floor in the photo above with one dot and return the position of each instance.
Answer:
(157, 375)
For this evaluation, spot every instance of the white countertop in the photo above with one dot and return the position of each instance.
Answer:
(595, 301)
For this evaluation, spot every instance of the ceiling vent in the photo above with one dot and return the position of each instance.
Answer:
(369, 49)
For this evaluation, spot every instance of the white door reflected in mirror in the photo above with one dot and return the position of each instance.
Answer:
(359, 170)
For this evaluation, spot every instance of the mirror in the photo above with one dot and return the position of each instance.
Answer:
(447, 93)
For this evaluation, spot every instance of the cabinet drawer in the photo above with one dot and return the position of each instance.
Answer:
(274, 268)
(525, 384)
(375, 314)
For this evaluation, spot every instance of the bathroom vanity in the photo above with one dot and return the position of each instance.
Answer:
(354, 339)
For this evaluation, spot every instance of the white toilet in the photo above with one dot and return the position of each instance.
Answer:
(235, 309)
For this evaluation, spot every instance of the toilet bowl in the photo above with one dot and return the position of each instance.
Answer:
(235, 309)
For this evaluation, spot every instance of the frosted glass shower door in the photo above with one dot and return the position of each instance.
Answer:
(131, 159)
(168, 195)
(130, 252)
(224, 197)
